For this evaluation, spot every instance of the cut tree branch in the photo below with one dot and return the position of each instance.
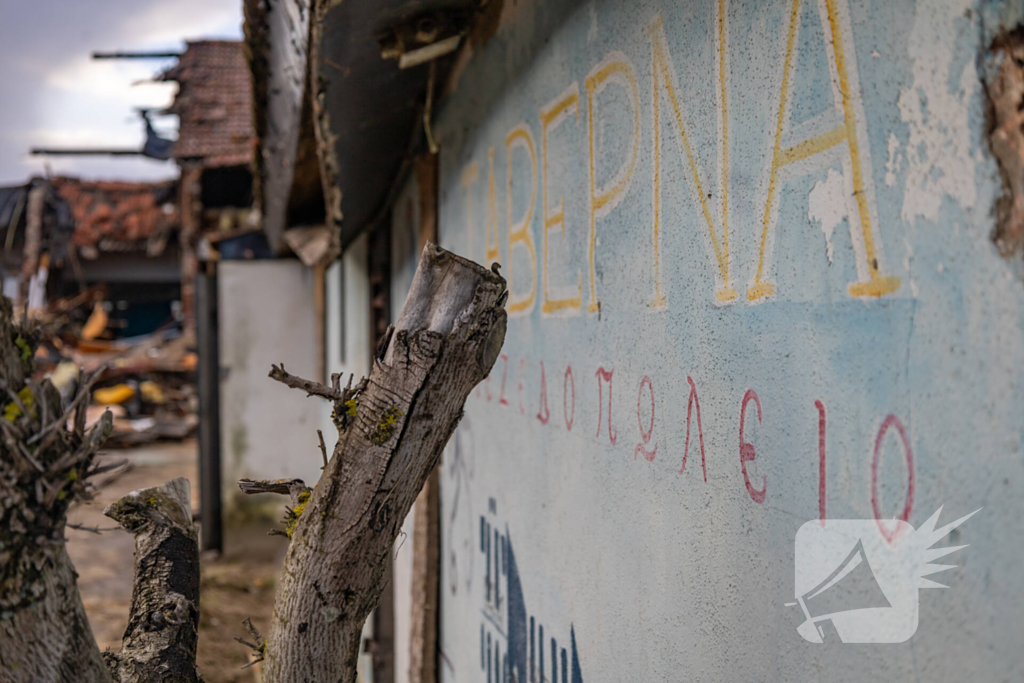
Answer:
(323, 447)
(282, 486)
(295, 488)
(163, 624)
(91, 529)
(309, 386)
(446, 340)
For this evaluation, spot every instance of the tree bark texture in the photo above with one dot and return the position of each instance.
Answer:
(44, 632)
(160, 640)
(392, 430)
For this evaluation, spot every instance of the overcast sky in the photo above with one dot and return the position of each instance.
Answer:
(53, 94)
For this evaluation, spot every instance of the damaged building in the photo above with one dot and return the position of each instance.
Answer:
(66, 235)
(125, 240)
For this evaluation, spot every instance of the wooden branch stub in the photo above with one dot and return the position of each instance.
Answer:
(311, 388)
(160, 640)
(259, 644)
(297, 491)
(294, 488)
(91, 529)
(281, 486)
(162, 506)
(323, 447)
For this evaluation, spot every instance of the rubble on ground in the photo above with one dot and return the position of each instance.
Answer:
(147, 382)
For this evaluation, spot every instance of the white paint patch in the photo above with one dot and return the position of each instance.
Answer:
(939, 159)
(827, 205)
(893, 164)
(592, 33)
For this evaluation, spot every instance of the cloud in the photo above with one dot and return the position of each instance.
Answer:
(102, 78)
(168, 22)
(64, 98)
(84, 137)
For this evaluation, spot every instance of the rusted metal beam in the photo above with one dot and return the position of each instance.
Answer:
(134, 55)
(86, 152)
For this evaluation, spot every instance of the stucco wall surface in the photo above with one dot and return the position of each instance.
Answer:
(268, 431)
(752, 286)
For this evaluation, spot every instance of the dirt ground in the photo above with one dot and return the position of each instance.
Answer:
(236, 585)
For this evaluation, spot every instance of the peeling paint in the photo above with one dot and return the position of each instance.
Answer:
(894, 162)
(936, 108)
(827, 205)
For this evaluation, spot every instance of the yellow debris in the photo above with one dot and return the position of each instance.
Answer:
(117, 394)
(96, 323)
(151, 392)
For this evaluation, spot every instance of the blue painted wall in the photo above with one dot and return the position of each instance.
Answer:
(884, 335)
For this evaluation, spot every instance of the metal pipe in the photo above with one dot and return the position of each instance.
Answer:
(134, 55)
(86, 152)
(211, 536)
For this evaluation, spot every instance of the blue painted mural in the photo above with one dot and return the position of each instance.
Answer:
(505, 623)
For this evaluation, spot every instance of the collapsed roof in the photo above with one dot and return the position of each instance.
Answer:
(119, 216)
(56, 222)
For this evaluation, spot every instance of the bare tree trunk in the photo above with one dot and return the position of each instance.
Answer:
(392, 430)
(50, 639)
(44, 633)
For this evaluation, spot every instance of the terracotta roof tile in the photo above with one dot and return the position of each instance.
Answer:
(214, 104)
(113, 215)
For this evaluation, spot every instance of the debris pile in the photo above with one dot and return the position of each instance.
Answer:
(145, 381)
